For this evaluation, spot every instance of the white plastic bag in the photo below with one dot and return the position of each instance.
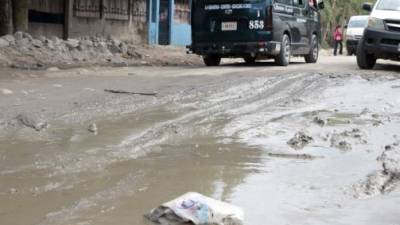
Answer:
(194, 208)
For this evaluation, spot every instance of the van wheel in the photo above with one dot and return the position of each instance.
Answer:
(312, 57)
(364, 60)
(212, 60)
(283, 59)
(249, 59)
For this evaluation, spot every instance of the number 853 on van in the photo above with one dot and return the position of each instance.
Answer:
(256, 24)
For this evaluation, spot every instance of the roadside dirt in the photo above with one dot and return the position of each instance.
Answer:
(22, 51)
(73, 153)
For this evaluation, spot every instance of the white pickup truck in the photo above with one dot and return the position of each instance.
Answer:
(354, 32)
(381, 38)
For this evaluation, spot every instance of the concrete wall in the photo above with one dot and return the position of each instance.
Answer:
(181, 29)
(134, 29)
(45, 29)
(181, 34)
(125, 30)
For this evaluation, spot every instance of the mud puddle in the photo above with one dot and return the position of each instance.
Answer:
(124, 190)
(232, 144)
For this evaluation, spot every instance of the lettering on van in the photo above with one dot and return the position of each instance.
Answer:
(227, 6)
(256, 24)
(283, 8)
(301, 20)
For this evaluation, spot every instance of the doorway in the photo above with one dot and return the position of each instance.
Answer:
(164, 24)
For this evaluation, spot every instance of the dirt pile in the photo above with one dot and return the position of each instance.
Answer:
(385, 180)
(344, 139)
(300, 140)
(23, 51)
(391, 160)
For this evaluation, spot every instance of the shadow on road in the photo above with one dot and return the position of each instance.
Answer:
(388, 67)
(257, 64)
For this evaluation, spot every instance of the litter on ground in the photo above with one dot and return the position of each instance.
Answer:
(194, 208)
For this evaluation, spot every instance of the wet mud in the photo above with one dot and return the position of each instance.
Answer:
(303, 148)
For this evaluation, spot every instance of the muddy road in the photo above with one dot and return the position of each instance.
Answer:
(307, 145)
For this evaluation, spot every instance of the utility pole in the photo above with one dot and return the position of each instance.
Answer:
(5, 17)
(20, 15)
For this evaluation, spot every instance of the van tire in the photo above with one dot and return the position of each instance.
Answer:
(312, 56)
(283, 58)
(249, 59)
(212, 60)
(365, 60)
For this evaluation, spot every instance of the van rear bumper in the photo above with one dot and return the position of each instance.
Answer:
(236, 49)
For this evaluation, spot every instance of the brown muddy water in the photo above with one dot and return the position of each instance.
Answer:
(229, 144)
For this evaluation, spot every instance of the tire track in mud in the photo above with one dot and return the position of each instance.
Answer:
(261, 92)
(205, 109)
(342, 135)
(126, 187)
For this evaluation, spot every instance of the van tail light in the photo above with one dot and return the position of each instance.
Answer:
(268, 21)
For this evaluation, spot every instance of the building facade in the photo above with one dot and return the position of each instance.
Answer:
(169, 22)
(164, 22)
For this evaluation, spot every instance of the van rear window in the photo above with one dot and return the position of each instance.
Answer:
(286, 2)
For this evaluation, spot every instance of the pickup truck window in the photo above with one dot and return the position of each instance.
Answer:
(358, 23)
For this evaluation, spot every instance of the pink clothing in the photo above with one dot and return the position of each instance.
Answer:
(338, 35)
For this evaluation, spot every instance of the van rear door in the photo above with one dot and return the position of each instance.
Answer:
(230, 21)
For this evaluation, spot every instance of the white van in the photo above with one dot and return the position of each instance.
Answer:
(354, 32)
(381, 38)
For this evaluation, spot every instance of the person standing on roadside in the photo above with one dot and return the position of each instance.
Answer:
(311, 3)
(338, 37)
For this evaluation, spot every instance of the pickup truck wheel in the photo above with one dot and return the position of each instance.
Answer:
(312, 57)
(283, 59)
(365, 60)
(212, 60)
